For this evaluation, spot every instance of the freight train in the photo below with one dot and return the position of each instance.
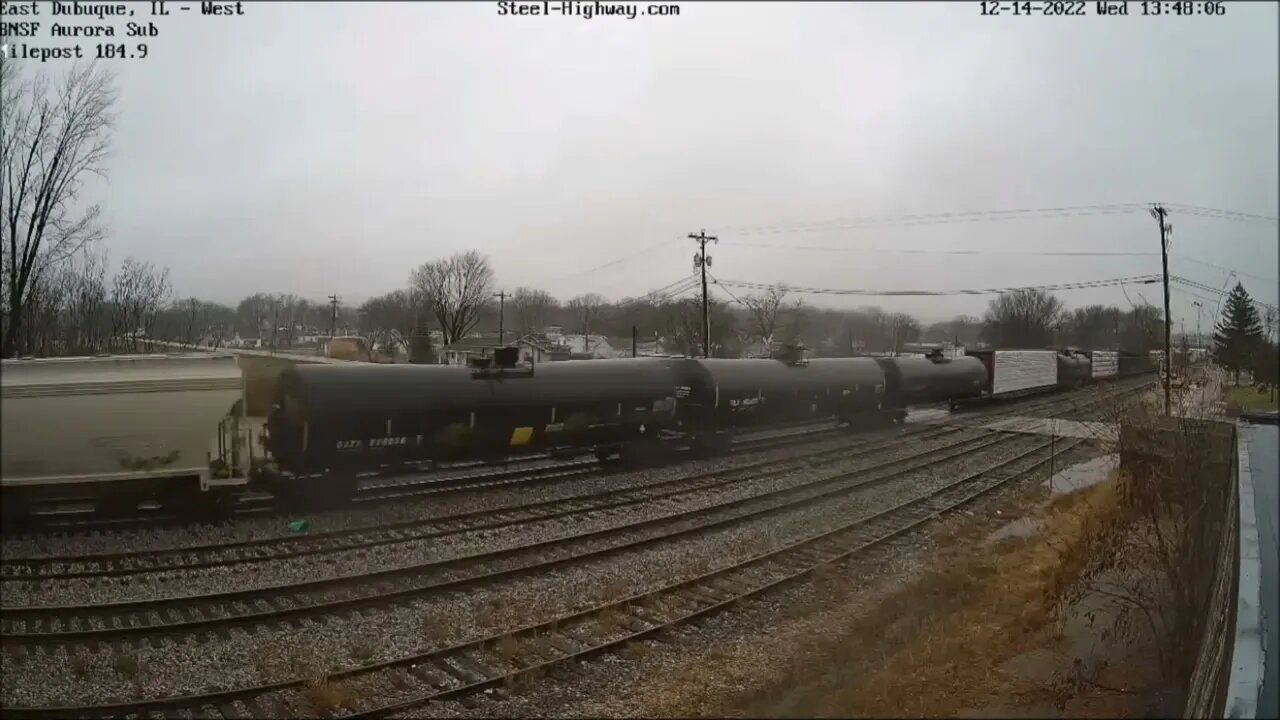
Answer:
(169, 429)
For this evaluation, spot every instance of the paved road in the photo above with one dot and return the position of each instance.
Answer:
(1264, 469)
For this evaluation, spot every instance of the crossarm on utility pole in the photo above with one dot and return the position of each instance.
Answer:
(701, 260)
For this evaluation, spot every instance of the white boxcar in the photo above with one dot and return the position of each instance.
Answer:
(1106, 363)
(1021, 370)
(119, 427)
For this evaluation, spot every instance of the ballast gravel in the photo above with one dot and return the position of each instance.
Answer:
(263, 526)
(256, 575)
(329, 642)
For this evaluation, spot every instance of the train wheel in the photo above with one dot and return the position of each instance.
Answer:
(338, 490)
(209, 506)
(642, 453)
(15, 515)
(118, 505)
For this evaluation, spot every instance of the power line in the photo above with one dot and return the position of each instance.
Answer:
(1220, 292)
(904, 251)
(727, 291)
(1223, 268)
(940, 218)
(1136, 280)
(1220, 213)
(670, 290)
(619, 261)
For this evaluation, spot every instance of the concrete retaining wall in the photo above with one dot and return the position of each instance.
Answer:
(1208, 684)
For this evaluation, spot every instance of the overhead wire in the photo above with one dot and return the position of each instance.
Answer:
(1111, 282)
(1220, 292)
(725, 289)
(905, 251)
(672, 290)
(1219, 213)
(619, 261)
(939, 218)
(1223, 268)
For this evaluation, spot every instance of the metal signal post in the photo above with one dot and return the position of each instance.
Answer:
(702, 261)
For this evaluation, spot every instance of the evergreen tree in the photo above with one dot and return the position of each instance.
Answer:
(1238, 334)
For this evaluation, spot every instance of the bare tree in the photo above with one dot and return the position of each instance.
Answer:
(586, 310)
(1093, 327)
(903, 329)
(138, 290)
(251, 313)
(86, 282)
(390, 320)
(764, 310)
(47, 146)
(1142, 329)
(455, 290)
(531, 308)
(962, 329)
(680, 325)
(1023, 318)
(797, 320)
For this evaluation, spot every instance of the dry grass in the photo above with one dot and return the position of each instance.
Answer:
(507, 647)
(929, 647)
(613, 591)
(324, 695)
(608, 620)
(363, 648)
(79, 665)
(972, 611)
(126, 664)
(1250, 398)
(637, 650)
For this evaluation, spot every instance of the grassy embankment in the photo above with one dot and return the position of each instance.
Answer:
(1248, 398)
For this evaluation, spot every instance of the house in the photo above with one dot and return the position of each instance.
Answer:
(460, 352)
(589, 347)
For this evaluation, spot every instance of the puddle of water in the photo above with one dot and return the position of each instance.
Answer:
(1083, 474)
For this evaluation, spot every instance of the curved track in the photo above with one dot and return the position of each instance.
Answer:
(408, 487)
(527, 652)
(218, 611)
(190, 558)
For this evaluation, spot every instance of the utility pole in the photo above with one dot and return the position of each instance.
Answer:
(1159, 214)
(333, 316)
(702, 261)
(502, 306)
(635, 337)
(1199, 307)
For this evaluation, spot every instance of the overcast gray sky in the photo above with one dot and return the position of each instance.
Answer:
(330, 147)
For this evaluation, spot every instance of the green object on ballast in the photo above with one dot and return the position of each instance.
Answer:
(299, 526)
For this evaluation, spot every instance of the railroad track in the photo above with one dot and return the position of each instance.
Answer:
(219, 611)
(208, 556)
(190, 558)
(494, 661)
(382, 486)
(422, 485)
